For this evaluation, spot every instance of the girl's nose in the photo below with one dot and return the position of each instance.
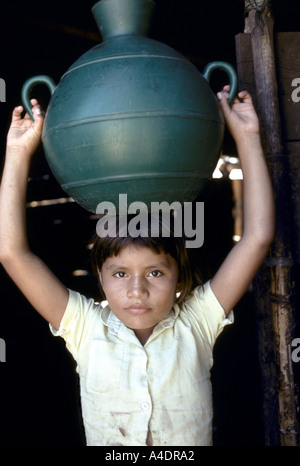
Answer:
(137, 288)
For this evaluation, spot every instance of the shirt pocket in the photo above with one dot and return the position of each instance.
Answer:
(104, 366)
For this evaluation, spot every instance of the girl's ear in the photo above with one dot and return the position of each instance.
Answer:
(100, 276)
(179, 287)
(179, 290)
(100, 284)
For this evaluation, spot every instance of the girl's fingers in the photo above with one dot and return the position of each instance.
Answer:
(36, 110)
(245, 96)
(224, 104)
(16, 114)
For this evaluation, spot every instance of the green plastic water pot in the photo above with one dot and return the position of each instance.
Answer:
(131, 116)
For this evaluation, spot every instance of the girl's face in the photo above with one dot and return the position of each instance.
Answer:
(140, 287)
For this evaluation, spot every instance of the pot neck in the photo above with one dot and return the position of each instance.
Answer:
(123, 17)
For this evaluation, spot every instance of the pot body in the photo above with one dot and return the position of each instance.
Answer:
(132, 116)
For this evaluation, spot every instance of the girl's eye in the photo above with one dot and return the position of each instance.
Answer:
(119, 274)
(155, 273)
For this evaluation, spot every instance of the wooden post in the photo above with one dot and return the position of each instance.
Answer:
(259, 24)
(261, 283)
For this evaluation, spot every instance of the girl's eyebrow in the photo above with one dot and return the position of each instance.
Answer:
(162, 264)
(159, 265)
(115, 266)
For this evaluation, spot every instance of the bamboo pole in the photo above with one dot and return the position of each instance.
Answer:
(259, 23)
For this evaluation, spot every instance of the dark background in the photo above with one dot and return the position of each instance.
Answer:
(38, 384)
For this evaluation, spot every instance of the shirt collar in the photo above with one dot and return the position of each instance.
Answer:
(110, 320)
(116, 327)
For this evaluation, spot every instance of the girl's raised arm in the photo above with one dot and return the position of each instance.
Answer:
(240, 266)
(39, 285)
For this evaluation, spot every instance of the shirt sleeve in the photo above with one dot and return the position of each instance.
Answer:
(207, 313)
(77, 321)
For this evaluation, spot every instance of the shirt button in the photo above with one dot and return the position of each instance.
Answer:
(145, 406)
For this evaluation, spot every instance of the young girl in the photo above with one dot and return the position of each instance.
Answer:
(144, 360)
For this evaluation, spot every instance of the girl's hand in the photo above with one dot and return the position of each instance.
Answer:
(24, 134)
(241, 117)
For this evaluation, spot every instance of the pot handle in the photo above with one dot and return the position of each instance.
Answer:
(29, 84)
(222, 65)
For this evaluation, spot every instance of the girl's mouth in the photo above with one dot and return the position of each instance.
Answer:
(138, 309)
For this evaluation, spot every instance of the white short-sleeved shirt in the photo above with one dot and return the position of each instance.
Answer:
(165, 384)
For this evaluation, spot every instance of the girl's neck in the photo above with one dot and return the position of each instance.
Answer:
(143, 334)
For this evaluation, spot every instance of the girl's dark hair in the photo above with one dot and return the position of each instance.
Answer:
(115, 236)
